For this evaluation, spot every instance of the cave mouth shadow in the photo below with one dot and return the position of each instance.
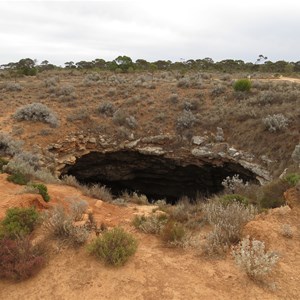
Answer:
(156, 177)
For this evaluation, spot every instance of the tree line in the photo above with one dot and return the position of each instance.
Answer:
(125, 64)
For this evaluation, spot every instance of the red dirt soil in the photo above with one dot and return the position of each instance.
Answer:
(155, 271)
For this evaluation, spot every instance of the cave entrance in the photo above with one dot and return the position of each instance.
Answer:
(155, 176)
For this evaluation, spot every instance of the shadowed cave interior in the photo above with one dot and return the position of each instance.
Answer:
(155, 176)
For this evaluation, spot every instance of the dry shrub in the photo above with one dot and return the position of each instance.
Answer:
(97, 191)
(36, 112)
(19, 165)
(272, 194)
(9, 146)
(227, 221)
(19, 259)
(60, 223)
(70, 180)
(135, 198)
(151, 224)
(286, 231)
(251, 256)
(174, 234)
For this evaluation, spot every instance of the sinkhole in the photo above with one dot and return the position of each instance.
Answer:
(155, 176)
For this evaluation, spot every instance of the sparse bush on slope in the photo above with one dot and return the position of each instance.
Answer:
(19, 222)
(114, 247)
(36, 112)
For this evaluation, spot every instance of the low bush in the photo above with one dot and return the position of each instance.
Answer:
(107, 109)
(151, 224)
(227, 222)
(276, 122)
(29, 169)
(218, 91)
(292, 179)
(19, 222)
(13, 87)
(242, 85)
(251, 256)
(186, 120)
(174, 233)
(114, 247)
(42, 190)
(233, 184)
(36, 112)
(135, 198)
(60, 224)
(9, 146)
(3, 162)
(272, 194)
(19, 259)
(79, 114)
(230, 198)
(97, 191)
(18, 178)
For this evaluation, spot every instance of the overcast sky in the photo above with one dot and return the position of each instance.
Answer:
(61, 31)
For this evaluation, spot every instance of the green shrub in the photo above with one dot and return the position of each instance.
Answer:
(42, 190)
(292, 179)
(18, 178)
(242, 85)
(19, 221)
(228, 199)
(19, 259)
(114, 246)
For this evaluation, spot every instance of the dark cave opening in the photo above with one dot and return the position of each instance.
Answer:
(155, 176)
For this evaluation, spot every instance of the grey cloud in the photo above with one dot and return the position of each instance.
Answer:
(62, 31)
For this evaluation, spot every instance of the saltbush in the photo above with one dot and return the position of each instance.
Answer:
(186, 120)
(251, 256)
(227, 222)
(19, 222)
(36, 112)
(114, 247)
(107, 109)
(9, 146)
(276, 122)
(242, 85)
